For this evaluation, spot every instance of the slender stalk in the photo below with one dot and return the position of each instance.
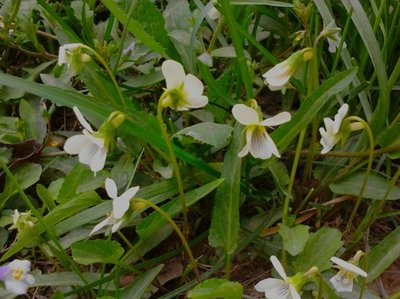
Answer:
(217, 32)
(41, 222)
(174, 165)
(14, 12)
(185, 244)
(369, 166)
(110, 73)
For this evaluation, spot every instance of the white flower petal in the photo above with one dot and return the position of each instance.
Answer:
(340, 285)
(272, 147)
(173, 72)
(120, 206)
(245, 115)
(29, 279)
(62, 56)
(193, 86)
(111, 188)
(18, 287)
(348, 266)
(195, 102)
(278, 76)
(87, 153)
(109, 220)
(99, 142)
(259, 146)
(276, 120)
(99, 160)
(82, 120)
(117, 225)
(278, 267)
(269, 283)
(76, 143)
(130, 193)
(339, 117)
(244, 151)
(293, 292)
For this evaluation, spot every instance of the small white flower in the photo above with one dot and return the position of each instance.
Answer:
(277, 78)
(90, 147)
(15, 276)
(334, 42)
(343, 280)
(212, 12)
(64, 52)
(278, 288)
(22, 220)
(258, 142)
(331, 134)
(120, 206)
(183, 91)
(72, 55)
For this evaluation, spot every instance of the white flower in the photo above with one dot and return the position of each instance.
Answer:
(212, 12)
(120, 206)
(22, 220)
(278, 288)
(183, 91)
(258, 142)
(277, 78)
(72, 56)
(343, 280)
(90, 147)
(334, 42)
(331, 135)
(15, 276)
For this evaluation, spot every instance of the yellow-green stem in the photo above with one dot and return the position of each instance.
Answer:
(14, 12)
(369, 166)
(110, 73)
(174, 165)
(185, 244)
(216, 33)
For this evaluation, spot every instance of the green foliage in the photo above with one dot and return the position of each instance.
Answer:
(216, 288)
(294, 239)
(89, 252)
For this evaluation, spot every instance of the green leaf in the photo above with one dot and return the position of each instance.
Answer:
(71, 183)
(320, 247)
(213, 134)
(216, 288)
(383, 255)
(261, 2)
(294, 239)
(89, 252)
(138, 287)
(391, 137)
(154, 221)
(45, 196)
(147, 24)
(376, 188)
(225, 222)
(28, 116)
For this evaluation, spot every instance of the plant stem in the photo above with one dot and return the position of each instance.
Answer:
(215, 34)
(369, 166)
(174, 165)
(185, 244)
(14, 12)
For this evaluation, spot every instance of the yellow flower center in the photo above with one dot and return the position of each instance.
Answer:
(176, 97)
(17, 273)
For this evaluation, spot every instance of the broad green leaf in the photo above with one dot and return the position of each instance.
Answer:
(73, 206)
(147, 24)
(320, 247)
(154, 221)
(89, 252)
(280, 174)
(140, 284)
(213, 134)
(376, 188)
(10, 130)
(383, 255)
(28, 116)
(225, 222)
(216, 288)
(294, 239)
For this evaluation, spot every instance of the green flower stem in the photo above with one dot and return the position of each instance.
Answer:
(41, 222)
(369, 166)
(377, 152)
(110, 73)
(174, 165)
(320, 286)
(185, 244)
(14, 12)
(285, 213)
(216, 33)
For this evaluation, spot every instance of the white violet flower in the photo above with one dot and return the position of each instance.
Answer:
(284, 288)
(72, 56)
(331, 134)
(277, 78)
(183, 91)
(334, 42)
(16, 277)
(343, 280)
(258, 142)
(120, 206)
(90, 147)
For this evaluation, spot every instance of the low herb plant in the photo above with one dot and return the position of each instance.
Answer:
(193, 149)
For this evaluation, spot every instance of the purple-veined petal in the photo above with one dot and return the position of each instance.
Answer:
(245, 115)
(173, 72)
(111, 188)
(276, 120)
(293, 292)
(259, 144)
